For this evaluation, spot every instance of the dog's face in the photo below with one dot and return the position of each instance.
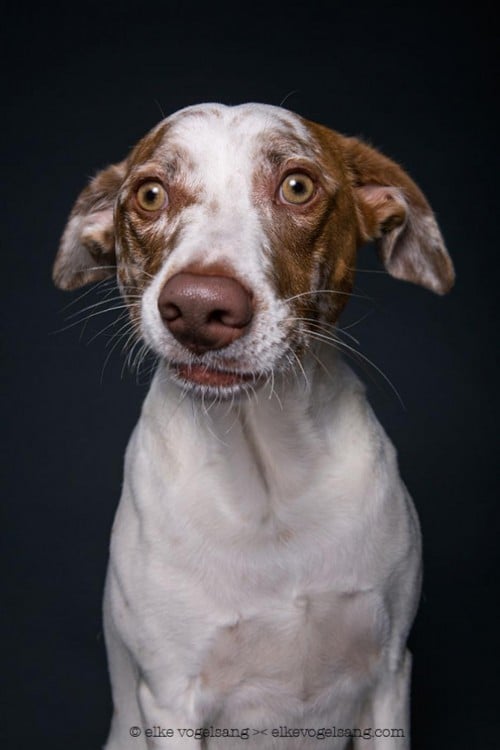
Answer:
(233, 232)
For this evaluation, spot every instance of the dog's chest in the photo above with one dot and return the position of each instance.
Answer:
(286, 632)
(239, 567)
(240, 594)
(300, 647)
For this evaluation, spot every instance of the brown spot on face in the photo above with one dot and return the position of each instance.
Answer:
(313, 244)
(147, 239)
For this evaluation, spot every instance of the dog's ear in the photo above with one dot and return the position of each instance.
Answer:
(87, 248)
(393, 212)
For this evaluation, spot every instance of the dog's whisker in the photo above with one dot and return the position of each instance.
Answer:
(113, 323)
(124, 335)
(229, 410)
(144, 370)
(125, 330)
(139, 360)
(135, 352)
(293, 367)
(130, 345)
(356, 322)
(301, 367)
(270, 378)
(86, 319)
(100, 304)
(287, 96)
(322, 325)
(274, 391)
(149, 371)
(368, 270)
(108, 357)
(336, 343)
(95, 288)
(208, 421)
(313, 292)
(320, 362)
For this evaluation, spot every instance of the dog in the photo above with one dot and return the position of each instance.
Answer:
(265, 559)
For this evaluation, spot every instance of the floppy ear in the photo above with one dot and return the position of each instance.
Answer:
(394, 212)
(87, 248)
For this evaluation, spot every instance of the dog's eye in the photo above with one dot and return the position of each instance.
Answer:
(296, 188)
(151, 196)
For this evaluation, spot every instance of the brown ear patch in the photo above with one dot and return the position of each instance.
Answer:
(395, 214)
(87, 249)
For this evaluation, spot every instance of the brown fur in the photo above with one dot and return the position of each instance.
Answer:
(314, 243)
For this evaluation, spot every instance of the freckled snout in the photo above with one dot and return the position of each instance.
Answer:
(205, 312)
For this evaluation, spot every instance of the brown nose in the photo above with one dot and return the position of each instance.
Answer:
(205, 312)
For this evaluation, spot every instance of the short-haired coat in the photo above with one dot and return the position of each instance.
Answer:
(265, 557)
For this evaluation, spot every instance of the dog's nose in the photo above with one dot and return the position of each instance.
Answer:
(205, 312)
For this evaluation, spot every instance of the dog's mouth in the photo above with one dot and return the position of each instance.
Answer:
(203, 376)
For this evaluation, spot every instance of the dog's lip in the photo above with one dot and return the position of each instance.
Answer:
(204, 375)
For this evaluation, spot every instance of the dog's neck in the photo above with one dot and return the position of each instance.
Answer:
(274, 437)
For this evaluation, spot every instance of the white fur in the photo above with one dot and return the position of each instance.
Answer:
(264, 566)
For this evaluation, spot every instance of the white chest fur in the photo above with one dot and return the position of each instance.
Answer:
(254, 550)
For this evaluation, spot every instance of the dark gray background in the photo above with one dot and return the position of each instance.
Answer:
(82, 85)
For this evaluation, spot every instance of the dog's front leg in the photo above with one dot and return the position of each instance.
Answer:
(126, 732)
(167, 727)
(140, 721)
(385, 723)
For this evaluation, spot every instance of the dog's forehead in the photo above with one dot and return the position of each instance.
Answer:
(251, 119)
(211, 132)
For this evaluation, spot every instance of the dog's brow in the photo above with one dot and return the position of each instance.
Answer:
(168, 160)
(277, 156)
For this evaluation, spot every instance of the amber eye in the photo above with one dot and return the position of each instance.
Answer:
(297, 188)
(151, 196)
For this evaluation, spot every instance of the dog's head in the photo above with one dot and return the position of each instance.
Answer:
(233, 233)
